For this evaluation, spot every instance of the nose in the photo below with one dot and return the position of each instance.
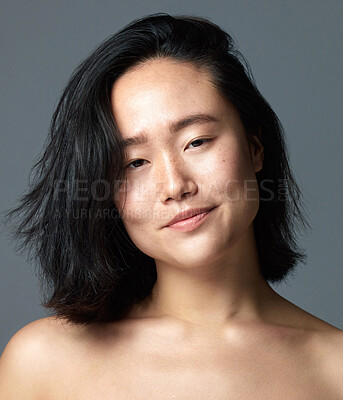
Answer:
(174, 179)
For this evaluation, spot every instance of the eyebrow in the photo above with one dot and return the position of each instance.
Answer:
(174, 127)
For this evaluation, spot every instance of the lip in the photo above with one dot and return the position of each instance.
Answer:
(189, 219)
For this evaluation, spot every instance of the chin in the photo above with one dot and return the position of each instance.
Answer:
(200, 257)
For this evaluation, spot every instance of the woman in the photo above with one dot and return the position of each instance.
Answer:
(163, 206)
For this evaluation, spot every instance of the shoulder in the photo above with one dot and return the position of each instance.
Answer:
(326, 345)
(37, 337)
(26, 364)
(30, 341)
(315, 340)
(328, 349)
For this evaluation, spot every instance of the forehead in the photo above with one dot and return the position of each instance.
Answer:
(164, 72)
(150, 96)
(161, 82)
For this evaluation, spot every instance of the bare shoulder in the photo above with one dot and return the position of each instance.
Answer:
(37, 337)
(329, 348)
(319, 342)
(43, 339)
(27, 361)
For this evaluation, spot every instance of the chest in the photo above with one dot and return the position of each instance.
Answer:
(196, 372)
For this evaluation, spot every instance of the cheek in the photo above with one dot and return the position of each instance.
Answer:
(139, 220)
(223, 170)
(129, 195)
(232, 176)
(137, 210)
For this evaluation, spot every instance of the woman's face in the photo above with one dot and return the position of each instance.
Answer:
(204, 163)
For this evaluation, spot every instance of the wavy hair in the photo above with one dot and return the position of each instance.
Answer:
(67, 222)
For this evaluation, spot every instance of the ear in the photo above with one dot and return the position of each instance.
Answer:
(257, 151)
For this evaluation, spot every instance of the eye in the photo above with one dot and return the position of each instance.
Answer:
(127, 166)
(135, 164)
(200, 140)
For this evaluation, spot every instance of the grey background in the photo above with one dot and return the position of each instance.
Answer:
(294, 48)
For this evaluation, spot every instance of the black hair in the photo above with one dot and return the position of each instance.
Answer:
(67, 220)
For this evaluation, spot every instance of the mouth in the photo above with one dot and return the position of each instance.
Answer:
(192, 222)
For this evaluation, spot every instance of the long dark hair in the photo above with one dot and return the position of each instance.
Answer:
(67, 219)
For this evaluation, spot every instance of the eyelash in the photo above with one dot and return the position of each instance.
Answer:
(196, 140)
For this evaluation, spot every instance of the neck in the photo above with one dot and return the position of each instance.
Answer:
(227, 290)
